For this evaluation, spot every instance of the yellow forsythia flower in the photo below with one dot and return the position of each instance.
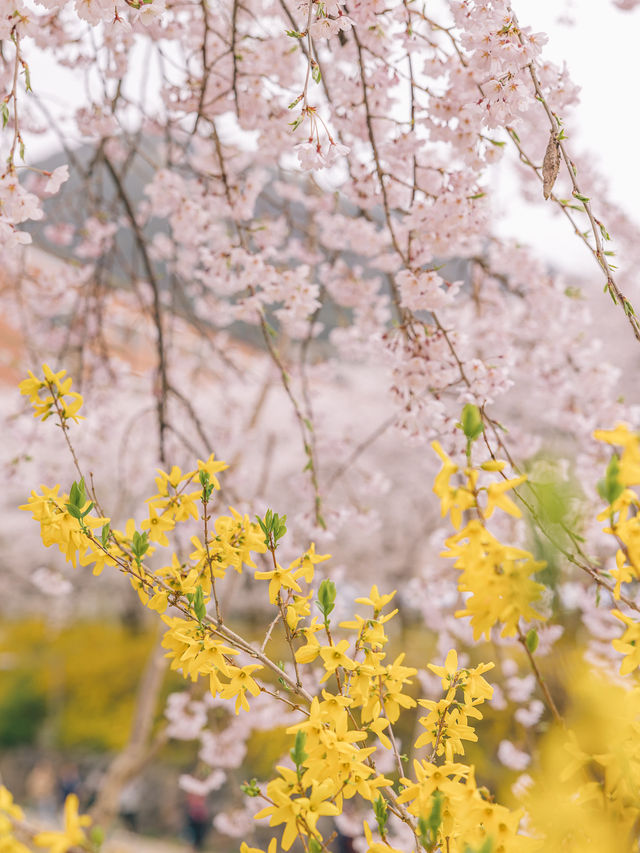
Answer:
(73, 833)
(52, 394)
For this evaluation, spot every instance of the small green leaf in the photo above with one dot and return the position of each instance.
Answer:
(74, 511)
(87, 510)
(298, 754)
(77, 494)
(532, 640)
(207, 485)
(610, 488)
(251, 789)
(471, 422)
(435, 818)
(326, 598)
(380, 811)
(603, 231)
(139, 545)
(27, 77)
(104, 536)
(198, 604)
(96, 836)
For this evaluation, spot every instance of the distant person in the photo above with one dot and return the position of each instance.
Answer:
(198, 819)
(41, 789)
(344, 843)
(130, 798)
(68, 780)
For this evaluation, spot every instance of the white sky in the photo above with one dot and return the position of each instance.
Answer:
(600, 48)
(601, 52)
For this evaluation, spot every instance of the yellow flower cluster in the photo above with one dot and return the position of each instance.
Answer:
(52, 394)
(59, 527)
(73, 834)
(623, 516)
(362, 692)
(586, 792)
(195, 650)
(10, 812)
(496, 577)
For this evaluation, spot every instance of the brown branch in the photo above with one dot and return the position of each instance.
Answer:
(162, 380)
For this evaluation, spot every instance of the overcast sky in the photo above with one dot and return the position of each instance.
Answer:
(600, 48)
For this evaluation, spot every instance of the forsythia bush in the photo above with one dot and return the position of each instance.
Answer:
(347, 693)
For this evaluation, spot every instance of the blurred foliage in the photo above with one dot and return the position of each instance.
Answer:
(555, 495)
(83, 677)
(264, 750)
(22, 711)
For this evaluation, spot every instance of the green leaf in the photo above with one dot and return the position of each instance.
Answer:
(96, 836)
(4, 108)
(251, 789)
(74, 511)
(207, 485)
(27, 77)
(532, 640)
(603, 231)
(87, 510)
(435, 818)
(380, 811)
(198, 604)
(139, 545)
(610, 488)
(279, 527)
(326, 598)
(104, 536)
(298, 754)
(580, 197)
(471, 422)
(77, 494)
(315, 72)
(315, 846)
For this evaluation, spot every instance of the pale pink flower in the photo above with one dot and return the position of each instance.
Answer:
(335, 151)
(512, 757)
(309, 155)
(58, 177)
(202, 787)
(324, 28)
